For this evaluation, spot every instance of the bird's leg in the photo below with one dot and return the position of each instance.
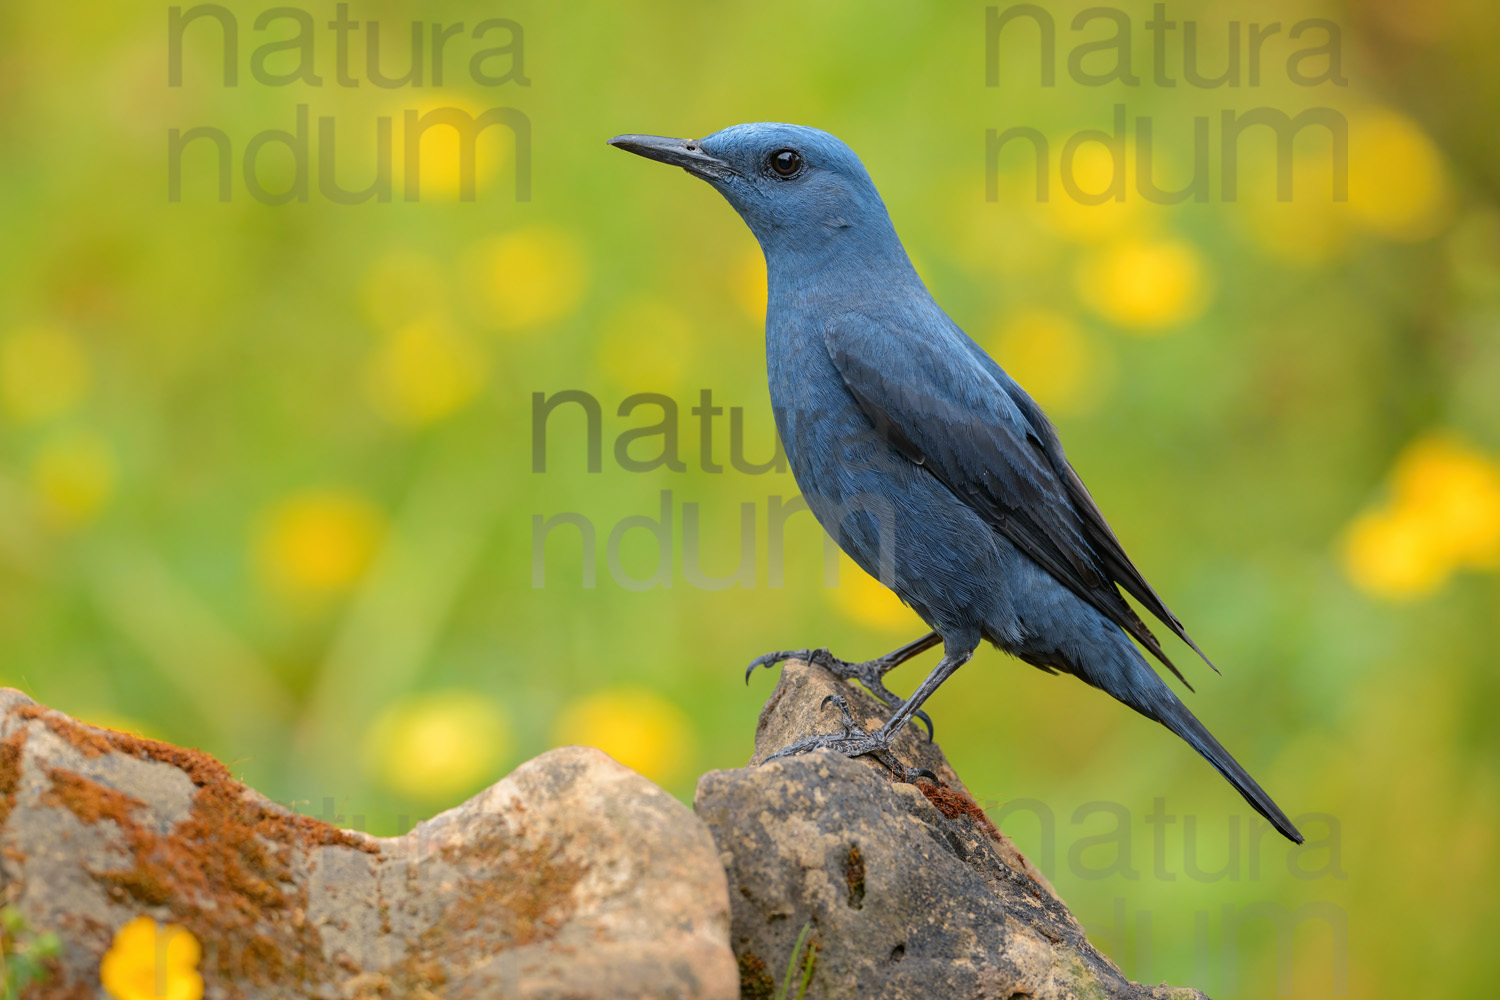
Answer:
(870, 673)
(950, 662)
(855, 742)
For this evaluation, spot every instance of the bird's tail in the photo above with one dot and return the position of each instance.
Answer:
(1176, 717)
(1145, 692)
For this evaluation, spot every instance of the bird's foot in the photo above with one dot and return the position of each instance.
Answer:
(870, 673)
(853, 741)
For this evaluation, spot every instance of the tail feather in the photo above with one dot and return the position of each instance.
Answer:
(1138, 686)
(1176, 717)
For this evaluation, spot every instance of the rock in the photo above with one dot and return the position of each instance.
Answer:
(907, 890)
(572, 877)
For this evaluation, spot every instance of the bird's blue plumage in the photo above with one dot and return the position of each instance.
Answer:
(932, 468)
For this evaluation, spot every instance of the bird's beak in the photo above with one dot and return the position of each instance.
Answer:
(684, 153)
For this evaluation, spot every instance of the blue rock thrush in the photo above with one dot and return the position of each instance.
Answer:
(928, 464)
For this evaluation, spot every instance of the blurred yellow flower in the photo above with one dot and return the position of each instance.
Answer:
(423, 372)
(1047, 353)
(319, 542)
(1093, 169)
(747, 284)
(528, 277)
(1387, 553)
(1443, 514)
(1145, 285)
(43, 372)
(435, 746)
(638, 728)
(73, 476)
(1398, 184)
(864, 599)
(149, 961)
(440, 165)
(1457, 491)
(646, 345)
(403, 287)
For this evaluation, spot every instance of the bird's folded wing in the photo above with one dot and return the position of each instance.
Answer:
(927, 395)
(1116, 563)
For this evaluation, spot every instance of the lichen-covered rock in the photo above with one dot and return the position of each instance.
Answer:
(572, 877)
(908, 890)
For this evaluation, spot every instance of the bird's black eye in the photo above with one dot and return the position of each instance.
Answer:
(786, 162)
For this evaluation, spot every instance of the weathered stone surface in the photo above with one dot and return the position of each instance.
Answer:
(572, 877)
(908, 889)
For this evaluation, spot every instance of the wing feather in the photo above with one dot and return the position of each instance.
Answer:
(1000, 456)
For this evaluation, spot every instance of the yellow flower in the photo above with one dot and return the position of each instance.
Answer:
(435, 746)
(646, 345)
(73, 477)
(1456, 492)
(526, 278)
(148, 961)
(423, 372)
(1093, 167)
(1388, 553)
(866, 600)
(638, 728)
(319, 542)
(1398, 184)
(1443, 513)
(43, 372)
(1145, 285)
(1048, 355)
(440, 163)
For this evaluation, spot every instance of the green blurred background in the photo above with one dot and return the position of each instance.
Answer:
(266, 471)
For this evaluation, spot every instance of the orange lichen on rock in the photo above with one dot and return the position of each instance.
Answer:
(224, 872)
(529, 905)
(224, 876)
(284, 905)
(953, 804)
(202, 769)
(10, 771)
(89, 800)
(87, 740)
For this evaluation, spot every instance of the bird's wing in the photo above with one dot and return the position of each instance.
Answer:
(1116, 563)
(926, 396)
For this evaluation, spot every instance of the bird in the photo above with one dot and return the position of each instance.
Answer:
(930, 466)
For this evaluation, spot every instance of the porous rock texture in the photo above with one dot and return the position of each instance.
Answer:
(906, 890)
(573, 877)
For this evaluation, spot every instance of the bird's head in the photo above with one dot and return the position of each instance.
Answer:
(800, 190)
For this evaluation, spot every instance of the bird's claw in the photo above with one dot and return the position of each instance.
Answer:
(853, 742)
(771, 659)
(869, 673)
(850, 726)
